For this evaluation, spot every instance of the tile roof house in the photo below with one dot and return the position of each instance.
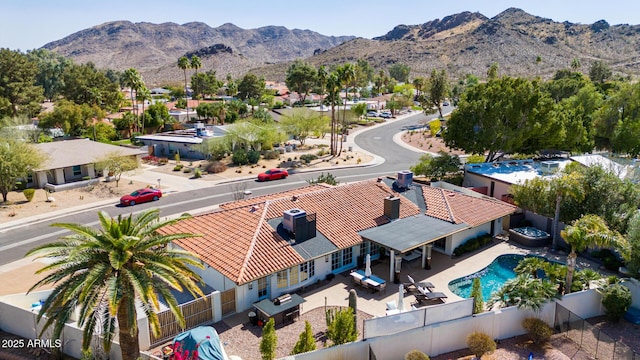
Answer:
(249, 255)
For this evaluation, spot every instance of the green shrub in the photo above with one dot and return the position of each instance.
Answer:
(306, 341)
(176, 157)
(269, 341)
(616, 300)
(271, 155)
(340, 327)
(197, 174)
(215, 167)
(308, 157)
(186, 170)
(539, 332)
(86, 178)
(416, 355)
(177, 168)
(253, 156)
(29, 193)
(472, 244)
(480, 343)
(240, 157)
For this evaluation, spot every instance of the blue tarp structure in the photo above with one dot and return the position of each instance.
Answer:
(203, 339)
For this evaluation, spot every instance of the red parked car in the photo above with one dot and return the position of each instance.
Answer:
(273, 174)
(140, 196)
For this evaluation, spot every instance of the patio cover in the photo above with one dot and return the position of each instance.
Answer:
(409, 233)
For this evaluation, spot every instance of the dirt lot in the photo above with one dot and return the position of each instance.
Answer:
(424, 141)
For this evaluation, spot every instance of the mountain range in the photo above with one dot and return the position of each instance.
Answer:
(522, 44)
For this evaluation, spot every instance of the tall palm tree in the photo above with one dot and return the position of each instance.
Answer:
(588, 231)
(346, 75)
(567, 185)
(184, 64)
(196, 64)
(333, 95)
(106, 272)
(133, 80)
(143, 94)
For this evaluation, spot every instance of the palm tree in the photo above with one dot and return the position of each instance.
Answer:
(524, 292)
(196, 64)
(133, 80)
(530, 266)
(333, 94)
(184, 64)
(588, 231)
(143, 94)
(106, 272)
(219, 112)
(566, 185)
(346, 75)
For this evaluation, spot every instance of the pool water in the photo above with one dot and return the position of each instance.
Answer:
(492, 278)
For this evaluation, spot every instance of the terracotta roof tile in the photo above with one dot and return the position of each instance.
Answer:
(278, 195)
(240, 244)
(458, 208)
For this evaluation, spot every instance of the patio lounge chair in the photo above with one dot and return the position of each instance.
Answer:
(412, 286)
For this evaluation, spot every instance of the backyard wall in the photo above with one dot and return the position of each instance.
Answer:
(17, 318)
(634, 287)
(450, 335)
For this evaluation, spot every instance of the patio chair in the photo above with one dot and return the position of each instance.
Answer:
(412, 286)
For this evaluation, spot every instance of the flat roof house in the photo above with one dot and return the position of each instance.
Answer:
(270, 245)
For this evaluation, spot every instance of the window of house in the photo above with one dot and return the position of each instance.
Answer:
(294, 276)
(374, 248)
(440, 243)
(347, 256)
(307, 270)
(282, 278)
(336, 260)
(262, 287)
(77, 170)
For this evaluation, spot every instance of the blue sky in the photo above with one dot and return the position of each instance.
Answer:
(29, 24)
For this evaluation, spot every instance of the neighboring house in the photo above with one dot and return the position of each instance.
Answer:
(250, 252)
(72, 161)
(182, 142)
(495, 179)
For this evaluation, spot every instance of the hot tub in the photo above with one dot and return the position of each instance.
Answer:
(529, 236)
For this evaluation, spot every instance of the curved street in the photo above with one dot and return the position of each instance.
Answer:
(377, 140)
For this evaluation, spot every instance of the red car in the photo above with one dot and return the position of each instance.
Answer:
(273, 174)
(140, 196)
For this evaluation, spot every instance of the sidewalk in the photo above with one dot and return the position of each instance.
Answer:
(172, 183)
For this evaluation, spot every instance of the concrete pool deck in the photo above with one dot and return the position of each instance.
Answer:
(443, 270)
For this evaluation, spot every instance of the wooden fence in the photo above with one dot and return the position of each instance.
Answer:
(195, 312)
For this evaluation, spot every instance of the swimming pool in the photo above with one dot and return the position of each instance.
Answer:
(492, 278)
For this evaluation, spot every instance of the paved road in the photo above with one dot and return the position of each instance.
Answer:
(14, 243)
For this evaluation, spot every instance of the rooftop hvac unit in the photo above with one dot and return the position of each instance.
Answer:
(289, 217)
(405, 178)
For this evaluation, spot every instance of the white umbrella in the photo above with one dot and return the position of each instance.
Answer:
(367, 268)
(401, 299)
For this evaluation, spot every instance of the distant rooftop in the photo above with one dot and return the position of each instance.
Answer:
(517, 171)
